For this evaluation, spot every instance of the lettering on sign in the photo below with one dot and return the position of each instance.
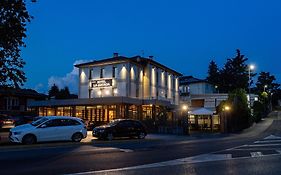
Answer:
(101, 83)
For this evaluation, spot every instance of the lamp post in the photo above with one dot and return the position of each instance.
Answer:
(265, 86)
(251, 67)
(185, 119)
(225, 110)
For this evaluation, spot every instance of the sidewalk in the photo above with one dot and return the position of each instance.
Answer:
(256, 129)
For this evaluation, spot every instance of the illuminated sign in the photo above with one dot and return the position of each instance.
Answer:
(101, 83)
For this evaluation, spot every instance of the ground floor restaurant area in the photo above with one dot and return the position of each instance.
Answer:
(97, 112)
(105, 113)
(157, 115)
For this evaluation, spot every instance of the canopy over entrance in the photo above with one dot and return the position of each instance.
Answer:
(201, 111)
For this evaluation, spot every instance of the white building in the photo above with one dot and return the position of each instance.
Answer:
(119, 87)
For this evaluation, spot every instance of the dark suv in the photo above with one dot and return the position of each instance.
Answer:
(120, 128)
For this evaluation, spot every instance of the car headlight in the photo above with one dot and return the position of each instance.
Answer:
(17, 133)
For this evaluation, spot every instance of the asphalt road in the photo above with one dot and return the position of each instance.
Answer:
(258, 150)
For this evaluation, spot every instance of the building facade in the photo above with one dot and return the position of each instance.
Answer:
(119, 87)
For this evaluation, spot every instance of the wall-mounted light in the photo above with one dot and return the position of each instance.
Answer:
(107, 92)
(99, 93)
(115, 91)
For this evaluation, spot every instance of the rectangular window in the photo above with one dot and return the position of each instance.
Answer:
(114, 72)
(101, 72)
(90, 74)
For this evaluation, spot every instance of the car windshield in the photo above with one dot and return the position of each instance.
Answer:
(39, 121)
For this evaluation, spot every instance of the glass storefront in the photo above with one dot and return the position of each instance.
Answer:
(105, 113)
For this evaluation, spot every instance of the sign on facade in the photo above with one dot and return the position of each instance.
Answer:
(101, 83)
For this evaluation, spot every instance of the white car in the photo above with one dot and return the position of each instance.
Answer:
(51, 128)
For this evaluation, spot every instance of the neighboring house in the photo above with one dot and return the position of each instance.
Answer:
(14, 101)
(202, 100)
(191, 85)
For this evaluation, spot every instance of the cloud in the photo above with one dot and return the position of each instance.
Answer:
(39, 88)
(70, 79)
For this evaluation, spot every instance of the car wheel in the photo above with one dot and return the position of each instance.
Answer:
(77, 137)
(141, 135)
(109, 136)
(29, 139)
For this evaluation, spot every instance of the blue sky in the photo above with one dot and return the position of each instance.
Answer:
(182, 34)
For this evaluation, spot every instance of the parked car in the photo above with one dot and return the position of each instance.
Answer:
(51, 128)
(120, 128)
(6, 122)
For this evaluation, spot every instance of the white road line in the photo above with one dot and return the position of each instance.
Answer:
(267, 141)
(272, 137)
(126, 150)
(263, 145)
(195, 159)
(278, 150)
(256, 154)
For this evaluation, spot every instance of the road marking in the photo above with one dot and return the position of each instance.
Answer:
(256, 154)
(194, 159)
(267, 141)
(263, 145)
(126, 150)
(272, 137)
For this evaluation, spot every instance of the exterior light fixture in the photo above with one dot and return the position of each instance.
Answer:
(99, 93)
(115, 91)
(184, 107)
(227, 108)
(107, 92)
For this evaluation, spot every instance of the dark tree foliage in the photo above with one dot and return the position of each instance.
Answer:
(213, 73)
(265, 79)
(235, 73)
(64, 93)
(54, 91)
(13, 20)
(240, 117)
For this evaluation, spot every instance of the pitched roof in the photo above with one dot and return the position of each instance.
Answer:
(135, 59)
(6, 91)
(190, 79)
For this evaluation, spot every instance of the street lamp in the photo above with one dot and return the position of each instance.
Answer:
(217, 88)
(225, 111)
(185, 123)
(251, 67)
(265, 86)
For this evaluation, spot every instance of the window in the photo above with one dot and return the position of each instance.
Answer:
(54, 123)
(124, 124)
(101, 72)
(69, 122)
(114, 71)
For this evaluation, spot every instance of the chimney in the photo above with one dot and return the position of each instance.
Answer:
(115, 55)
(150, 57)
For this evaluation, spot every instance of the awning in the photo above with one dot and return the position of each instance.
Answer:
(201, 111)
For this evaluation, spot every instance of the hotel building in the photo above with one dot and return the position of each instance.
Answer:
(119, 87)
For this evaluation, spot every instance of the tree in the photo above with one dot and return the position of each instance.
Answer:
(240, 113)
(64, 93)
(54, 91)
(266, 82)
(235, 73)
(213, 73)
(13, 20)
